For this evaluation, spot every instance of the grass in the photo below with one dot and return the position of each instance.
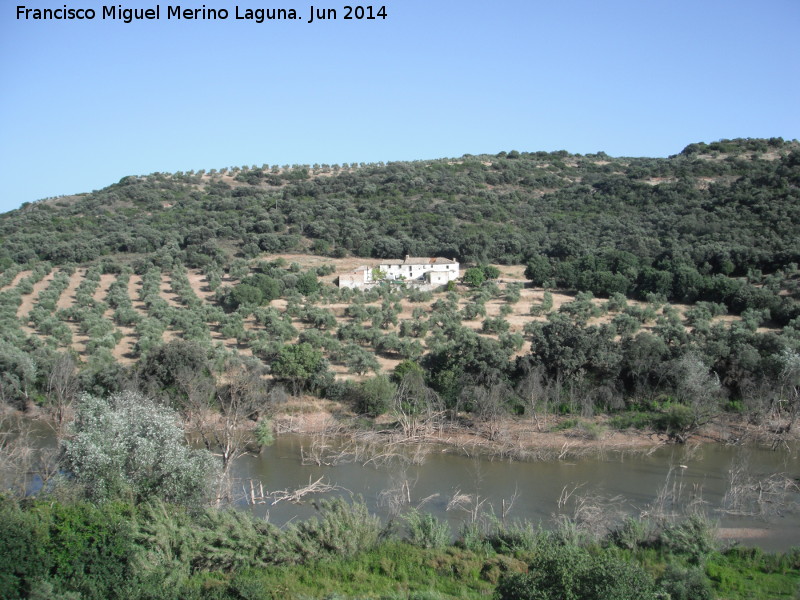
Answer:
(750, 574)
(394, 569)
(400, 570)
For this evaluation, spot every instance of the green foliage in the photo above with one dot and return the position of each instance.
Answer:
(685, 583)
(263, 433)
(693, 537)
(359, 361)
(538, 270)
(426, 531)
(635, 420)
(632, 228)
(69, 551)
(495, 325)
(171, 370)
(474, 277)
(243, 295)
(126, 446)
(404, 368)
(156, 550)
(375, 395)
(490, 271)
(343, 529)
(307, 283)
(571, 573)
(298, 364)
(676, 420)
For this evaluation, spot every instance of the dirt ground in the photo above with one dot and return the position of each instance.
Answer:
(512, 438)
(29, 300)
(67, 298)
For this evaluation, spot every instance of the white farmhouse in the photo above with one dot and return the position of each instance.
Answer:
(420, 271)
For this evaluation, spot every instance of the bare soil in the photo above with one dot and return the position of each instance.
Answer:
(101, 291)
(199, 285)
(167, 293)
(27, 301)
(123, 351)
(67, 298)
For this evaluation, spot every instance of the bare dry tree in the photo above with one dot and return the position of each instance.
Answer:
(534, 392)
(699, 388)
(62, 391)
(471, 504)
(675, 498)
(789, 405)
(417, 407)
(397, 496)
(590, 515)
(224, 421)
(368, 449)
(490, 408)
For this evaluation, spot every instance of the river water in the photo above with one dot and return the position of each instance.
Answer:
(670, 479)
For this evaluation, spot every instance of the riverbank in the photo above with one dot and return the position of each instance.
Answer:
(547, 437)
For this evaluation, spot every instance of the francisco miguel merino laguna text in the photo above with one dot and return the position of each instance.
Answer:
(259, 15)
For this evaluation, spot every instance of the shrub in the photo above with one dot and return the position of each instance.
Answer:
(688, 583)
(633, 533)
(344, 530)
(677, 419)
(128, 446)
(426, 531)
(571, 573)
(694, 538)
(53, 550)
(633, 420)
(474, 277)
(375, 396)
(263, 433)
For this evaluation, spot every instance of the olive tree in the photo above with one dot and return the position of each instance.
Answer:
(126, 445)
(298, 364)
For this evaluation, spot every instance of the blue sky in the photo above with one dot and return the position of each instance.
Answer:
(84, 103)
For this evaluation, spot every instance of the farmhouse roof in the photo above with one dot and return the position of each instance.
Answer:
(419, 260)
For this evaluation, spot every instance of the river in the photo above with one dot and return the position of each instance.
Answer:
(669, 479)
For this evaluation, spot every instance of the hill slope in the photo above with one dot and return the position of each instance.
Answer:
(170, 281)
(732, 202)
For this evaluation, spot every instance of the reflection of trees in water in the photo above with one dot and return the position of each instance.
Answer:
(28, 463)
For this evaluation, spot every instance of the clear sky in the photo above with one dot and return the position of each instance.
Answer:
(84, 103)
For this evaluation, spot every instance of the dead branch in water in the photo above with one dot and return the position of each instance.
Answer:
(296, 496)
(566, 494)
(472, 504)
(751, 495)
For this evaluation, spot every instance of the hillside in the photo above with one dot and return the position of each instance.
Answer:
(732, 202)
(618, 283)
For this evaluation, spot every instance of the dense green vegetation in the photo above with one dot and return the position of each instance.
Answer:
(156, 550)
(726, 208)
